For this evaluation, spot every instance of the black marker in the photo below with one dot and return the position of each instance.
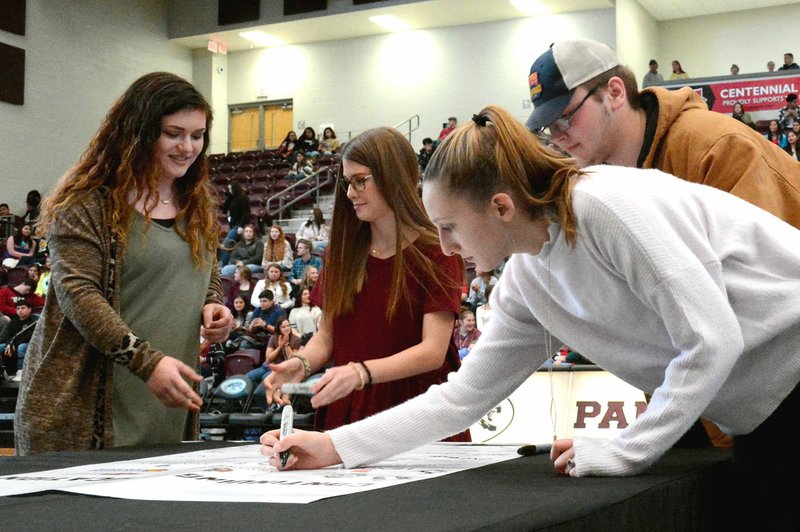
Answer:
(533, 450)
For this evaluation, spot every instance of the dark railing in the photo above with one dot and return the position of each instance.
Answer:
(289, 196)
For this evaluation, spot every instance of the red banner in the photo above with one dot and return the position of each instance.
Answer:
(755, 94)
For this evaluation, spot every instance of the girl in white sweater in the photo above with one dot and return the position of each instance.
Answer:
(681, 290)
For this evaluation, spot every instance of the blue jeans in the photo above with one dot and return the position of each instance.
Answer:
(259, 374)
(230, 269)
(12, 364)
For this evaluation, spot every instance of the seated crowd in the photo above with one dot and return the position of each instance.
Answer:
(785, 129)
(24, 281)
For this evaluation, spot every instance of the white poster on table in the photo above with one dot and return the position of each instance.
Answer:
(241, 474)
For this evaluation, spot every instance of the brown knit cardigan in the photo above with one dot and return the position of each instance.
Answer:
(65, 397)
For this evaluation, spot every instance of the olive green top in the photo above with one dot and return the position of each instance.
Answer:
(65, 399)
(162, 294)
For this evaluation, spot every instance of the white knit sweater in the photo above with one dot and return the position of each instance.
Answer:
(681, 290)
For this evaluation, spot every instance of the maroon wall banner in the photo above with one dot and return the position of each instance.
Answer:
(766, 93)
(755, 95)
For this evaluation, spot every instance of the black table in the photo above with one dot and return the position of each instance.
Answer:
(686, 490)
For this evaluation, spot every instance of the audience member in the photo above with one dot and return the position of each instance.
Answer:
(287, 147)
(5, 210)
(677, 71)
(734, 70)
(33, 273)
(303, 260)
(703, 275)
(11, 295)
(329, 143)
(314, 230)
(652, 77)
(425, 153)
(242, 285)
(388, 294)
(249, 251)
(791, 145)
(305, 315)
(142, 182)
(237, 206)
(281, 346)
(775, 136)
(466, 333)
(448, 128)
(241, 314)
(41, 246)
(301, 168)
(770, 66)
(277, 249)
(741, 115)
(32, 203)
(672, 131)
(20, 248)
(789, 114)
(478, 288)
(274, 282)
(262, 321)
(308, 143)
(310, 276)
(788, 62)
(15, 339)
(44, 278)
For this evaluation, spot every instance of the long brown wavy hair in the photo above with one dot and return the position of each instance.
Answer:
(393, 164)
(493, 153)
(121, 158)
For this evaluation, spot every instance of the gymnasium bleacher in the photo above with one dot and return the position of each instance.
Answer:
(264, 177)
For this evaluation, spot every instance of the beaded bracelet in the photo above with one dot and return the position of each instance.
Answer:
(369, 373)
(306, 366)
(361, 377)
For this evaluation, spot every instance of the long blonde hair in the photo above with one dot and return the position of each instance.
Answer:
(493, 152)
(393, 164)
(284, 286)
(121, 158)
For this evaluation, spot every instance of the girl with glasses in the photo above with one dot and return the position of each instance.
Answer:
(389, 295)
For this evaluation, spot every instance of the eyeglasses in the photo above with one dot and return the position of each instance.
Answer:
(562, 124)
(358, 182)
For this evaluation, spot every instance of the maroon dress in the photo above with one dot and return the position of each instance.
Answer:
(364, 334)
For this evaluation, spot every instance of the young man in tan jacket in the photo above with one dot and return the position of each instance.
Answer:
(593, 110)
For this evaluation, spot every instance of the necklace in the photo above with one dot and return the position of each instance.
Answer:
(164, 201)
(377, 253)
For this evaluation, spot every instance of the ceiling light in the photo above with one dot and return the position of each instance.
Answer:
(390, 22)
(531, 7)
(264, 39)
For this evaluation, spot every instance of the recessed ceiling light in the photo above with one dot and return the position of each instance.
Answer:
(531, 7)
(259, 37)
(390, 22)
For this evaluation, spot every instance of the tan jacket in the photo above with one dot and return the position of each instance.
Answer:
(702, 146)
(65, 397)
